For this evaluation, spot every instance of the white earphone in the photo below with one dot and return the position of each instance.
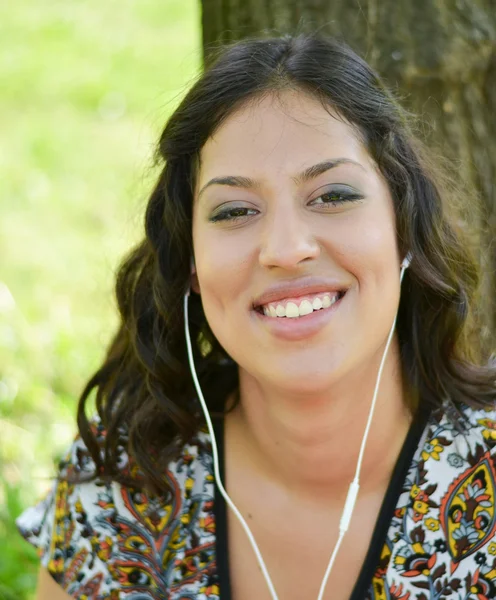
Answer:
(354, 486)
(407, 260)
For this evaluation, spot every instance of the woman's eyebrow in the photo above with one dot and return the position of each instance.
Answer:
(306, 175)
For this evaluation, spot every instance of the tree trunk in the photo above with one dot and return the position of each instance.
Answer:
(438, 55)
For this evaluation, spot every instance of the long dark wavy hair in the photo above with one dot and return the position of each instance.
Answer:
(145, 396)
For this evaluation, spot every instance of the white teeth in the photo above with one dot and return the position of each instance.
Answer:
(317, 304)
(292, 310)
(305, 308)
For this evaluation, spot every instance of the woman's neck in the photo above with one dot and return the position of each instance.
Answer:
(309, 445)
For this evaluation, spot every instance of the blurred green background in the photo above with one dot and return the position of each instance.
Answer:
(86, 87)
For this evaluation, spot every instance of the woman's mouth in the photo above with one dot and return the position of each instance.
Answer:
(292, 320)
(300, 307)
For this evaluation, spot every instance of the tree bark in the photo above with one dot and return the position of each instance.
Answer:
(439, 56)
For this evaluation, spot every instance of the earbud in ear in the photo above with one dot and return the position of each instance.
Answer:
(407, 260)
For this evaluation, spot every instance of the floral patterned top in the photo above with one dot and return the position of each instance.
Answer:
(434, 538)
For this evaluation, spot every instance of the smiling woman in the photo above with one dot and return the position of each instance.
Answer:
(327, 342)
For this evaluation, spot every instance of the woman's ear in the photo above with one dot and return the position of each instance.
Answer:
(195, 285)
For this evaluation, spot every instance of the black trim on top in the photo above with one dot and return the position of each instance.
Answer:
(220, 514)
(381, 527)
(389, 504)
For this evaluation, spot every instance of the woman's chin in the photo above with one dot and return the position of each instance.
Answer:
(304, 382)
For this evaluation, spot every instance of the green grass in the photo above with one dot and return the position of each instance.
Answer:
(86, 88)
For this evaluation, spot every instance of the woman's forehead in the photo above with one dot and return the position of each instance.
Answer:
(279, 136)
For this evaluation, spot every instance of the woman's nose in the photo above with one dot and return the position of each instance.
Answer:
(287, 240)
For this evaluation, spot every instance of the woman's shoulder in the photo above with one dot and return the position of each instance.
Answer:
(471, 426)
(441, 536)
(103, 539)
(457, 450)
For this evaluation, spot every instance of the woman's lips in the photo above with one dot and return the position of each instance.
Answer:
(294, 329)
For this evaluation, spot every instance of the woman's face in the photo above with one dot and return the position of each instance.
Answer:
(327, 233)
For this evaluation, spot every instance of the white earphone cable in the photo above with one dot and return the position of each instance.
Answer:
(215, 454)
(354, 486)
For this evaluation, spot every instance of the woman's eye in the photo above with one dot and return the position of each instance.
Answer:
(232, 214)
(337, 197)
(332, 198)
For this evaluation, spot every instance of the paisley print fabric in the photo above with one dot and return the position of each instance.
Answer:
(440, 543)
(103, 540)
